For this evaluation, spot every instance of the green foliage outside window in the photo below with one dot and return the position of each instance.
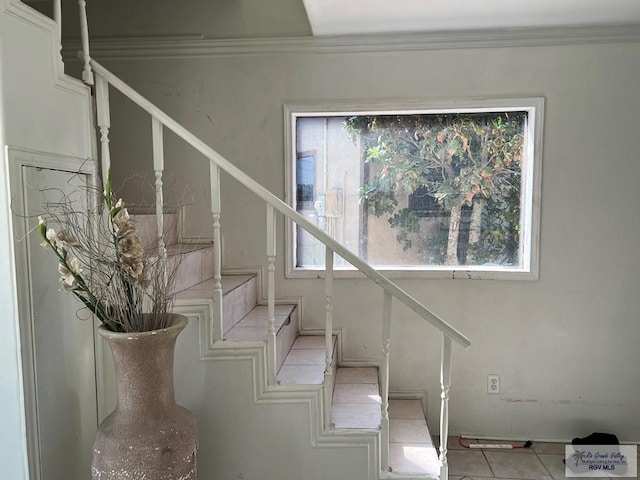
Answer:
(470, 163)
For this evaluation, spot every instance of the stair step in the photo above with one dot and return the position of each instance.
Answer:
(411, 448)
(148, 229)
(356, 398)
(195, 264)
(238, 296)
(192, 262)
(305, 362)
(255, 327)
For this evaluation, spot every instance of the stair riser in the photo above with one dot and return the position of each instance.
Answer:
(148, 229)
(285, 338)
(238, 303)
(194, 267)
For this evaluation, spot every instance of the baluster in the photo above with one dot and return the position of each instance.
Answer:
(87, 74)
(386, 347)
(445, 383)
(328, 335)
(158, 168)
(104, 124)
(57, 17)
(271, 292)
(218, 332)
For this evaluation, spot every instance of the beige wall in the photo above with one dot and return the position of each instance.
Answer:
(565, 345)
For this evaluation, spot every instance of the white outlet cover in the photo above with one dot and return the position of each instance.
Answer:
(493, 383)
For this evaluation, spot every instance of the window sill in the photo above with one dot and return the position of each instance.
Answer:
(469, 273)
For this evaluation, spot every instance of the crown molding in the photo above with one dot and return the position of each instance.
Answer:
(195, 46)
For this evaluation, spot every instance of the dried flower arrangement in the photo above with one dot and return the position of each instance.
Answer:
(102, 262)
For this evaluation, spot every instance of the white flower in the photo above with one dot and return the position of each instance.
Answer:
(68, 275)
(50, 237)
(66, 239)
(122, 222)
(134, 267)
(131, 255)
(119, 203)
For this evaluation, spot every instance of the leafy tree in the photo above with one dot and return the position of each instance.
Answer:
(467, 159)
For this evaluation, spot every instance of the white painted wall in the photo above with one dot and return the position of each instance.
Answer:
(565, 345)
(12, 427)
(40, 110)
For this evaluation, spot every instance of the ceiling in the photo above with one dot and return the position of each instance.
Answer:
(346, 17)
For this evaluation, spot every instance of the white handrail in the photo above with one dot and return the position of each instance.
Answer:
(281, 206)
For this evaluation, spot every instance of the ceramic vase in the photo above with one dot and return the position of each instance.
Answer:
(148, 436)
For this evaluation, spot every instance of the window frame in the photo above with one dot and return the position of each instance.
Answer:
(531, 183)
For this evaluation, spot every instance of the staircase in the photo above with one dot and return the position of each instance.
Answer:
(356, 404)
(341, 423)
(274, 400)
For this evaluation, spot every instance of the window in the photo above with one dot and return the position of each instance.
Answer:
(422, 191)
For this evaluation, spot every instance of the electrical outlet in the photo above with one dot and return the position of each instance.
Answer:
(493, 383)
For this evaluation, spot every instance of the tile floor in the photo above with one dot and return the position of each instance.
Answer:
(543, 461)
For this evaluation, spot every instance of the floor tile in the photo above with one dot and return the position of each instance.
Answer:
(468, 462)
(405, 409)
(301, 375)
(546, 447)
(553, 463)
(344, 415)
(356, 393)
(414, 458)
(305, 357)
(510, 465)
(357, 375)
(309, 341)
(408, 430)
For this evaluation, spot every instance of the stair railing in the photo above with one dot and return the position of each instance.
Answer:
(275, 205)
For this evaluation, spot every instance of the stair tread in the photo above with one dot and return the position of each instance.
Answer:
(206, 289)
(356, 398)
(184, 248)
(255, 325)
(411, 449)
(305, 362)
